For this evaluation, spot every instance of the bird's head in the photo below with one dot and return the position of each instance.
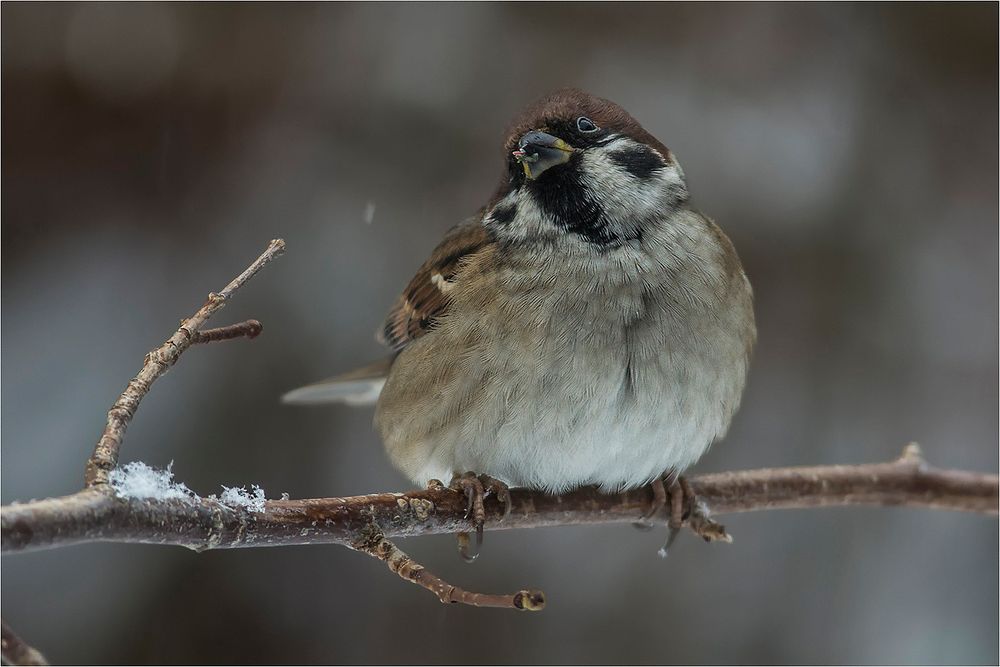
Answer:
(581, 164)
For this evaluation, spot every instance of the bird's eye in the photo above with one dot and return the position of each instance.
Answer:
(585, 125)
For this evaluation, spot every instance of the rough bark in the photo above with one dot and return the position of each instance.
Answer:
(96, 514)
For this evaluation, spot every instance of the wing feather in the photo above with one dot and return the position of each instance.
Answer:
(426, 297)
(424, 300)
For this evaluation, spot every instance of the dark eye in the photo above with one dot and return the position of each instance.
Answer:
(585, 125)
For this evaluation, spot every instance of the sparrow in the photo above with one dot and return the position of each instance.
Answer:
(587, 326)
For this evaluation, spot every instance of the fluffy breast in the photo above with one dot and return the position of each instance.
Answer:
(556, 366)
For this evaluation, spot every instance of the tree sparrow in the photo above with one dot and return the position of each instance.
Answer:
(587, 326)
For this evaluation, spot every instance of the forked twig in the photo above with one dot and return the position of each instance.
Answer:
(156, 363)
(373, 542)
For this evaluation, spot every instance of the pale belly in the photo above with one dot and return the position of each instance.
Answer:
(577, 397)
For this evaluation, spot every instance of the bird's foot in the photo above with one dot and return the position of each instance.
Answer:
(476, 488)
(687, 510)
(659, 488)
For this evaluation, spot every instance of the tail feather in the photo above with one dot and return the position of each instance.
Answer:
(361, 386)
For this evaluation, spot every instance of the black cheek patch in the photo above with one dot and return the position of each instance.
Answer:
(504, 213)
(640, 161)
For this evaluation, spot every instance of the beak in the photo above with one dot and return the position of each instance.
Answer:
(538, 151)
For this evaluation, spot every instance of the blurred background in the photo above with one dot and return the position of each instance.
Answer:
(150, 151)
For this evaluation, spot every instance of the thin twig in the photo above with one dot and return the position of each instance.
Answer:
(15, 651)
(247, 329)
(373, 542)
(105, 456)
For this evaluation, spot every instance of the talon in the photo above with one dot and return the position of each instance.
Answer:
(659, 498)
(494, 486)
(463, 546)
(473, 489)
(476, 488)
(686, 509)
(678, 488)
(672, 534)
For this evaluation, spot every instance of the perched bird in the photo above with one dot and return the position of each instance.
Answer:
(587, 326)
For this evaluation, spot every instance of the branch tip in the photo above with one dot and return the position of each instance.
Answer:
(274, 249)
(248, 329)
(372, 541)
(529, 600)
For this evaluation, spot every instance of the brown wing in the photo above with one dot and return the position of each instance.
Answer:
(426, 296)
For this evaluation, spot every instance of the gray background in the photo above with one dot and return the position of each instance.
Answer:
(149, 152)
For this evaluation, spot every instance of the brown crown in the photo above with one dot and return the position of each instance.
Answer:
(570, 103)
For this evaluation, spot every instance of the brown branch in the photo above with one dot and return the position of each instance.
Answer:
(97, 515)
(247, 329)
(105, 456)
(364, 522)
(15, 651)
(373, 542)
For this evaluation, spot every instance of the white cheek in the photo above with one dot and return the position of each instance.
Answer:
(529, 221)
(622, 195)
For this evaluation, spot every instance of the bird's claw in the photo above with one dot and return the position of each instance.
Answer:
(687, 509)
(659, 499)
(476, 488)
(659, 488)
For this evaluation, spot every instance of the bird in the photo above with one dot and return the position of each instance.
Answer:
(587, 326)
